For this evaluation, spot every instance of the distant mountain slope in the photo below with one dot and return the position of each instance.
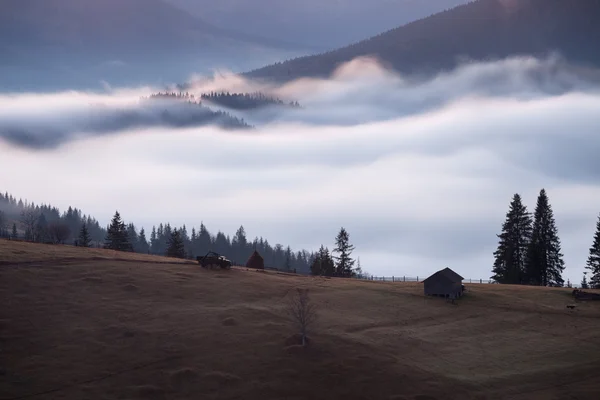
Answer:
(483, 29)
(107, 27)
(70, 37)
(324, 25)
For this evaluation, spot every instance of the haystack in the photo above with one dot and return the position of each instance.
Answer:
(255, 261)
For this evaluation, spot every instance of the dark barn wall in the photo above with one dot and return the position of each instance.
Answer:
(440, 286)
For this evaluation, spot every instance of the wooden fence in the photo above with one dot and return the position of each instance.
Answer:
(412, 279)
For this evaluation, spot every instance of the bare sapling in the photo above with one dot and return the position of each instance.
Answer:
(302, 311)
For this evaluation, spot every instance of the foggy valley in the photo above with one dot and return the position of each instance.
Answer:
(353, 151)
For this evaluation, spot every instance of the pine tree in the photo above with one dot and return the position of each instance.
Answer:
(132, 236)
(288, 259)
(593, 261)
(84, 236)
(15, 234)
(584, 282)
(544, 263)
(117, 236)
(143, 246)
(344, 264)
(153, 241)
(3, 224)
(509, 263)
(176, 247)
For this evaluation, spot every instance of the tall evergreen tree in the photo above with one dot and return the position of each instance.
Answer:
(41, 229)
(288, 259)
(132, 236)
(84, 236)
(176, 247)
(241, 250)
(584, 282)
(509, 263)
(3, 224)
(15, 234)
(344, 263)
(593, 261)
(544, 264)
(117, 237)
(143, 246)
(153, 240)
(204, 240)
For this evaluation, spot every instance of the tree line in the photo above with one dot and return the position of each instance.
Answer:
(45, 224)
(529, 248)
(176, 242)
(196, 113)
(245, 101)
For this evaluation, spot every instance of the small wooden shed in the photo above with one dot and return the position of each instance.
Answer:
(445, 283)
(255, 261)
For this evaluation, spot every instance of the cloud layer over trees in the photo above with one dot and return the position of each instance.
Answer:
(419, 173)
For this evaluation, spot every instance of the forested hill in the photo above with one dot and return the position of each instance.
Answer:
(183, 110)
(46, 224)
(480, 30)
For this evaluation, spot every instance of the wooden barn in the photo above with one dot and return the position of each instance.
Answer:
(445, 283)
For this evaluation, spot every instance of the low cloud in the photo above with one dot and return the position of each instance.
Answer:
(420, 173)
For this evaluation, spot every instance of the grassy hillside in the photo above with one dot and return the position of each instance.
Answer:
(480, 30)
(20, 252)
(105, 329)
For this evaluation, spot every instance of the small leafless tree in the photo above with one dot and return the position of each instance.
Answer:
(59, 232)
(302, 311)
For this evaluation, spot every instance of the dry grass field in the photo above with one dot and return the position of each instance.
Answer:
(90, 324)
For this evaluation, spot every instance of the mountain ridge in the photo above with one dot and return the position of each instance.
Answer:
(481, 30)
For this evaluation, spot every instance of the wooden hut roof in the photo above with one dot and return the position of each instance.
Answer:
(447, 274)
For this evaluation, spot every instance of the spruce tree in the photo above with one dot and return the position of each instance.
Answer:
(153, 241)
(584, 282)
(176, 247)
(544, 263)
(84, 236)
(344, 264)
(132, 236)
(288, 259)
(117, 237)
(143, 246)
(509, 262)
(593, 261)
(15, 234)
(41, 229)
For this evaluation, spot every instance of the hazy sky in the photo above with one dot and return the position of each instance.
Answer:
(420, 174)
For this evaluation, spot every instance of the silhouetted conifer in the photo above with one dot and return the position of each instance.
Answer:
(593, 261)
(176, 247)
(544, 264)
(84, 237)
(344, 263)
(509, 263)
(117, 235)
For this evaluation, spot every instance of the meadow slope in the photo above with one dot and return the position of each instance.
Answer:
(104, 327)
